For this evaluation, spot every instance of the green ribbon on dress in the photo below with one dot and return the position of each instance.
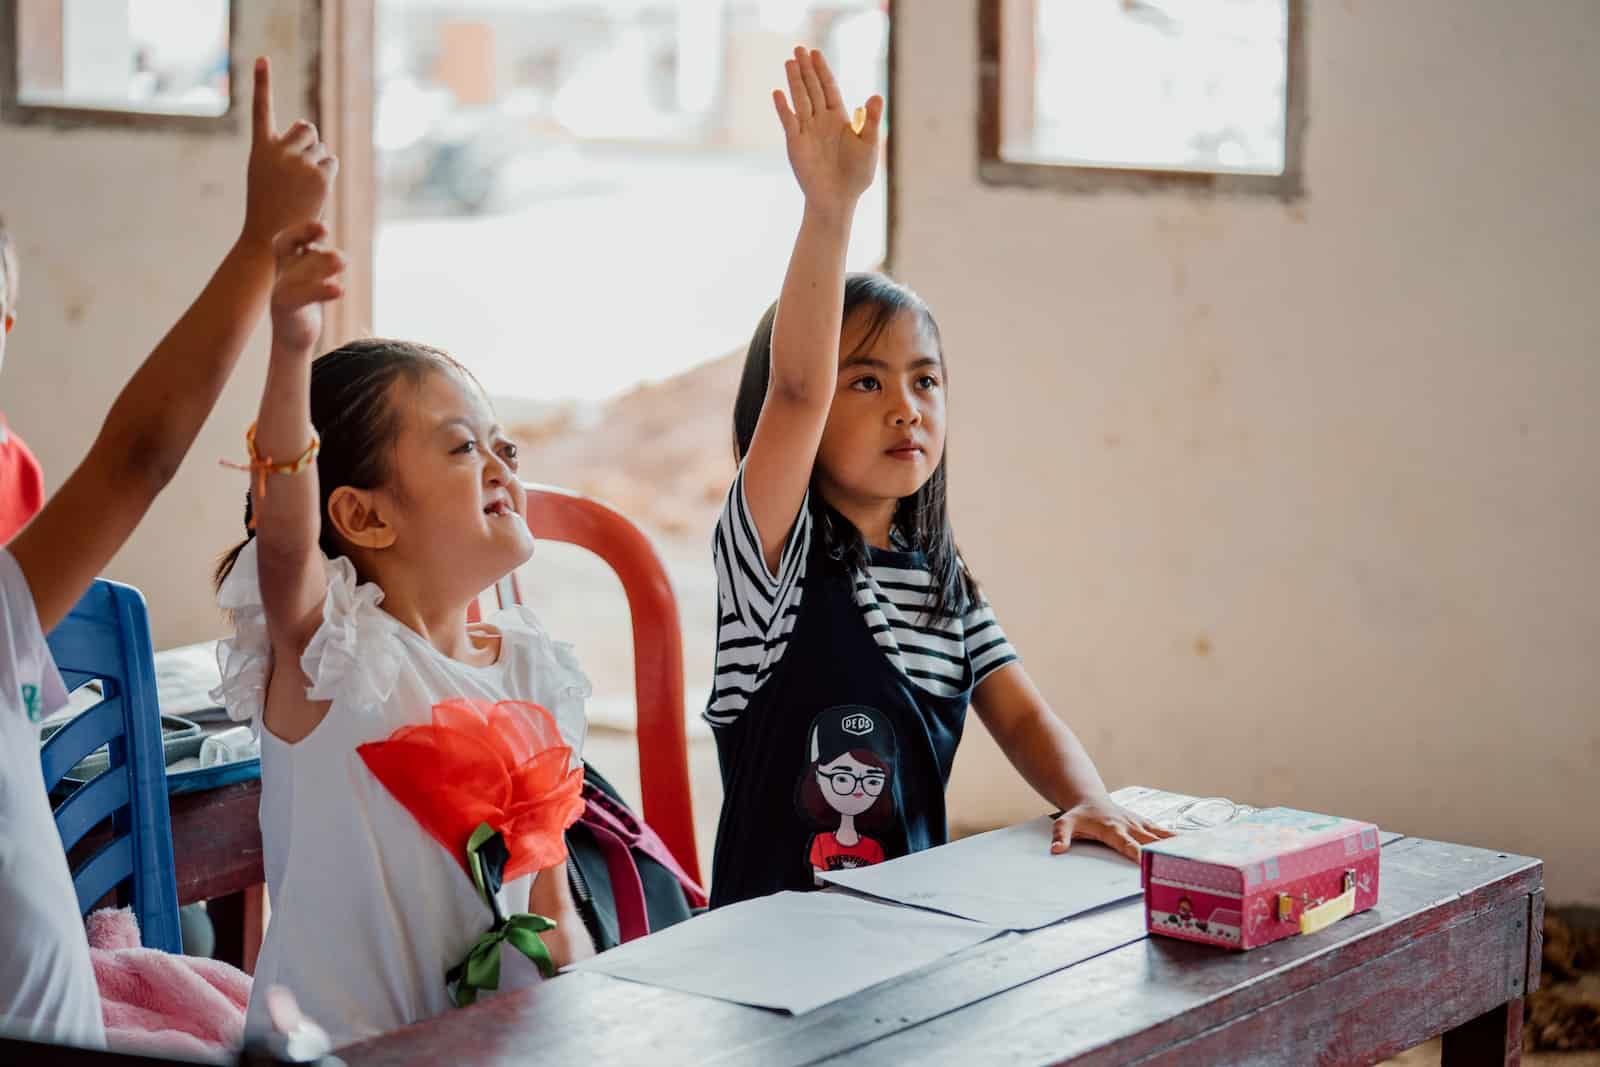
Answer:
(480, 970)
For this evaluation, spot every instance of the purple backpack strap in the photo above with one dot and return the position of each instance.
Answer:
(627, 891)
(601, 811)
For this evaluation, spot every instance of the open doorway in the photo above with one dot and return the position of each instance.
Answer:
(588, 203)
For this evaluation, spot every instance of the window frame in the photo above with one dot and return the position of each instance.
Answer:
(14, 111)
(341, 96)
(994, 79)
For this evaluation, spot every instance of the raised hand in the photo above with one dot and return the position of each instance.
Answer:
(289, 174)
(832, 161)
(307, 275)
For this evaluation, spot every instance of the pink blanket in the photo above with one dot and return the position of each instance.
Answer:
(160, 1004)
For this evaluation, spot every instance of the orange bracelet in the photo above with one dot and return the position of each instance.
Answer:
(261, 466)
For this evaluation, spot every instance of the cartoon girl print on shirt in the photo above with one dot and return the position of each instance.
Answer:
(847, 790)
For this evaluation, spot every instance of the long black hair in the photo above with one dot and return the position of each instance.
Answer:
(922, 518)
(356, 420)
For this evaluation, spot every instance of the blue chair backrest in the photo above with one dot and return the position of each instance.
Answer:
(107, 637)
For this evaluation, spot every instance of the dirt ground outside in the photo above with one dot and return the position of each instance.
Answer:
(662, 455)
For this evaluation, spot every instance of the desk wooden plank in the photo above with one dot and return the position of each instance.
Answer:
(1438, 902)
(1382, 1007)
(216, 841)
(712, 1031)
(41, 1054)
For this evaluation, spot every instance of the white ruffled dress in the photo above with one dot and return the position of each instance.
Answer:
(368, 910)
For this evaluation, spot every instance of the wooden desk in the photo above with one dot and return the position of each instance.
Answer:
(1452, 948)
(216, 841)
(216, 847)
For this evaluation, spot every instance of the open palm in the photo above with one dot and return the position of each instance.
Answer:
(832, 162)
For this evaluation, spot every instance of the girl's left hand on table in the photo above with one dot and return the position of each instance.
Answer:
(1102, 819)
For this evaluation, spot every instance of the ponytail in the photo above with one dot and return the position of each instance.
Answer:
(229, 558)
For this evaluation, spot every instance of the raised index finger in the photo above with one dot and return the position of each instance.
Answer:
(261, 102)
(797, 89)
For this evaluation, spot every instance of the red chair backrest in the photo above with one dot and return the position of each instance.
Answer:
(560, 515)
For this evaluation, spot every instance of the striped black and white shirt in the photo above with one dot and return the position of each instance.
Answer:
(757, 610)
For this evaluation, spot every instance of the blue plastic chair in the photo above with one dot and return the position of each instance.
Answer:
(107, 637)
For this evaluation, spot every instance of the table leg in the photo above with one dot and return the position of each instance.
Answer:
(228, 920)
(255, 925)
(240, 920)
(1493, 1037)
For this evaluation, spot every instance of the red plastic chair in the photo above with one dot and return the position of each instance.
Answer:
(560, 515)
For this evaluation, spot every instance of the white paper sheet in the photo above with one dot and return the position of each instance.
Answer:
(1006, 878)
(1179, 812)
(1182, 813)
(791, 951)
(184, 679)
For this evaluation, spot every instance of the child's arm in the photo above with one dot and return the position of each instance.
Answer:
(551, 896)
(288, 510)
(160, 411)
(834, 166)
(1052, 760)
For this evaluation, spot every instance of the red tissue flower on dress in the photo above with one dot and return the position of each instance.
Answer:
(503, 763)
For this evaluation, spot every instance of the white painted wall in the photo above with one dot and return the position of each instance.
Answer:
(1298, 504)
(117, 232)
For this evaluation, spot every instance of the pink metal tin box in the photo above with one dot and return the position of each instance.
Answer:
(1263, 877)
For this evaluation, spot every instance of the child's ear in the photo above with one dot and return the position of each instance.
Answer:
(359, 518)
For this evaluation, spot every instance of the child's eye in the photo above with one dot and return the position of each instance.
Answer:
(866, 385)
(508, 452)
(927, 381)
(465, 447)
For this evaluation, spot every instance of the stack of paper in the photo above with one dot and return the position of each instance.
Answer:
(1179, 812)
(184, 679)
(1006, 878)
(798, 951)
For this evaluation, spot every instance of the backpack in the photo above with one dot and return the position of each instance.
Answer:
(624, 881)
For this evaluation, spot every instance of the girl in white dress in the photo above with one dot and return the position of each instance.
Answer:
(352, 644)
